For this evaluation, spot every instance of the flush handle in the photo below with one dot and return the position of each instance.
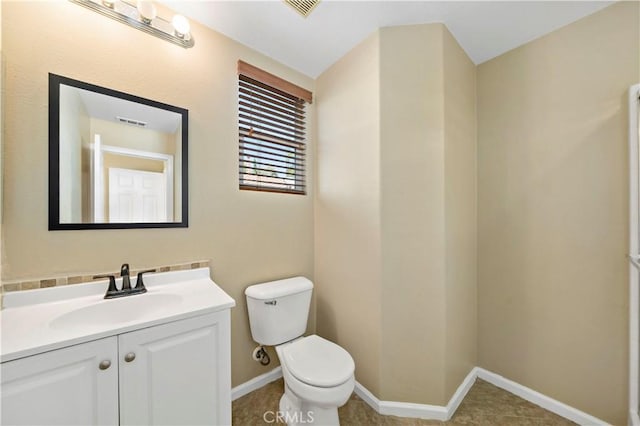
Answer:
(104, 364)
(130, 357)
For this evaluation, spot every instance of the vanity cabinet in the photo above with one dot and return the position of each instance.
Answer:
(63, 387)
(174, 373)
(180, 374)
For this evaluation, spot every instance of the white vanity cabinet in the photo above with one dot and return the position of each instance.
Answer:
(176, 373)
(66, 386)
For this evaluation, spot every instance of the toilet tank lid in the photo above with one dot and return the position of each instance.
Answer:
(279, 288)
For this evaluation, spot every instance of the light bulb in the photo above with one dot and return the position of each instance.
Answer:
(147, 11)
(181, 26)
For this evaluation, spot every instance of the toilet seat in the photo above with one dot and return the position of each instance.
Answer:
(318, 362)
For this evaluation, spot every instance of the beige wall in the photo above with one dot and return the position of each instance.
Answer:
(347, 226)
(74, 135)
(132, 137)
(248, 236)
(460, 201)
(396, 163)
(552, 195)
(428, 187)
(134, 163)
(412, 188)
(553, 211)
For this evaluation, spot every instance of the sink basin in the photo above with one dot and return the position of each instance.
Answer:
(47, 319)
(116, 311)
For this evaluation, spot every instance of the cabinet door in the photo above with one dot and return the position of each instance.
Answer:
(177, 373)
(63, 387)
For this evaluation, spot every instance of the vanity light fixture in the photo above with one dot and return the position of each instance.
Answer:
(181, 26)
(143, 16)
(147, 11)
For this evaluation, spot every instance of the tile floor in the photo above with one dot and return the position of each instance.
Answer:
(485, 404)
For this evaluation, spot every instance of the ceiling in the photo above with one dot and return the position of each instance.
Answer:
(484, 29)
(109, 108)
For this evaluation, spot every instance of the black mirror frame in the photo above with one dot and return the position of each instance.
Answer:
(54, 157)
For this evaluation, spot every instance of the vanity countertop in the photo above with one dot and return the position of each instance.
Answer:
(36, 321)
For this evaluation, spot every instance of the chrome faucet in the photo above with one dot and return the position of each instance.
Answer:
(126, 289)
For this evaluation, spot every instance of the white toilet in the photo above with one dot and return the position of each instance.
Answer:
(318, 374)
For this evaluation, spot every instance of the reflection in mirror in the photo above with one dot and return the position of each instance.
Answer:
(116, 160)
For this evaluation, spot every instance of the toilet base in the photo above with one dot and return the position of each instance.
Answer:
(296, 412)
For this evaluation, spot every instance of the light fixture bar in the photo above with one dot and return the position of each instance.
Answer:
(127, 13)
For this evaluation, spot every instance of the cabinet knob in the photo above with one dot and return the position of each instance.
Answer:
(104, 364)
(130, 357)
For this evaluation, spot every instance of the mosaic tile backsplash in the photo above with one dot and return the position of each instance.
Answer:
(77, 279)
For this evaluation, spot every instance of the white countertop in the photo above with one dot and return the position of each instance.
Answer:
(28, 322)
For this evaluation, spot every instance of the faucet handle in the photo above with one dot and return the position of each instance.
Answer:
(124, 273)
(140, 288)
(124, 269)
(112, 291)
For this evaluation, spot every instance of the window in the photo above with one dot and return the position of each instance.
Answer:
(271, 126)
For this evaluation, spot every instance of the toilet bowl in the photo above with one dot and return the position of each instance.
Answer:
(318, 374)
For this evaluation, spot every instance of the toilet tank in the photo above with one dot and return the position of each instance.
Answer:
(278, 310)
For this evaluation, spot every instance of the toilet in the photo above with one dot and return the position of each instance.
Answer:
(318, 374)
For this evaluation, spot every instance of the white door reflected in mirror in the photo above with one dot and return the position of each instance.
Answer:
(137, 196)
(131, 186)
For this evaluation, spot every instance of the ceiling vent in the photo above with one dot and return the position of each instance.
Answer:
(303, 7)
(131, 121)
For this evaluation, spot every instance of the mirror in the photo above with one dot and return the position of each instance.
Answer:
(115, 160)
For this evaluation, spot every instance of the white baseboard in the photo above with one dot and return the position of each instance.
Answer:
(256, 383)
(416, 411)
(461, 392)
(400, 409)
(367, 397)
(421, 411)
(537, 398)
(438, 412)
